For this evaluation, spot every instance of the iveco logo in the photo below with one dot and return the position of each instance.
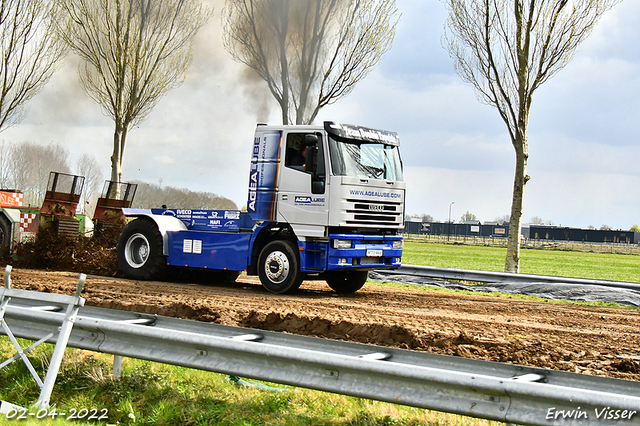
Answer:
(376, 208)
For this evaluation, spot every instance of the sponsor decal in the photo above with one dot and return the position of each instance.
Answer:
(362, 133)
(11, 199)
(232, 214)
(205, 220)
(309, 201)
(253, 194)
(263, 176)
(378, 194)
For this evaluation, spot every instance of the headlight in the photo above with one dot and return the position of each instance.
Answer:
(342, 244)
(398, 244)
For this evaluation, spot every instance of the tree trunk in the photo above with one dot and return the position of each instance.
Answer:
(116, 157)
(119, 142)
(512, 262)
(284, 65)
(520, 143)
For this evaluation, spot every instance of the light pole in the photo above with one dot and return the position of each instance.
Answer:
(449, 227)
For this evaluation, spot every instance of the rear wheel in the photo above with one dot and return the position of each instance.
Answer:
(347, 282)
(140, 250)
(5, 235)
(278, 267)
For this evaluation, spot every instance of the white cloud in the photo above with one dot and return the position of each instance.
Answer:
(583, 128)
(430, 190)
(584, 198)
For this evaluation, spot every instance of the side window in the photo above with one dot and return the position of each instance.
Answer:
(295, 152)
(296, 158)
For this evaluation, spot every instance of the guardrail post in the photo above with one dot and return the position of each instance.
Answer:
(61, 345)
(117, 366)
(7, 285)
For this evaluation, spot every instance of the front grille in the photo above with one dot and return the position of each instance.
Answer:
(374, 213)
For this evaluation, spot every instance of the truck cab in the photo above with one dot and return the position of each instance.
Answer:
(324, 202)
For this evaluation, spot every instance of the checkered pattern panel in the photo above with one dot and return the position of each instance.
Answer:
(26, 222)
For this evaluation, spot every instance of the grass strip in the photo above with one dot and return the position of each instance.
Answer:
(578, 264)
(157, 394)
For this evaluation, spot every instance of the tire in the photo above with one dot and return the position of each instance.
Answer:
(278, 268)
(139, 251)
(347, 282)
(5, 235)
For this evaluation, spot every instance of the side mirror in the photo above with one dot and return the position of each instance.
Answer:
(311, 158)
(311, 153)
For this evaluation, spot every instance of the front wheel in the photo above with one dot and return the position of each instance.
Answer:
(347, 282)
(140, 250)
(5, 235)
(278, 268)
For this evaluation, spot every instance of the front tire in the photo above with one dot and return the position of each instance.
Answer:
(347, 282)
(139, 250)
(278, 268)
(5, 235)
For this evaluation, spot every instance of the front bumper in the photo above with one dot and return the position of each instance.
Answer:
(364, 252)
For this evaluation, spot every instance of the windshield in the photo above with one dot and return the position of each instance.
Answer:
(364, 159)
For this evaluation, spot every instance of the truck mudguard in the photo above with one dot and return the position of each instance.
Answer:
(164, 223)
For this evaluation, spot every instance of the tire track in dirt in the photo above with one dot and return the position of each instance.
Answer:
(590, 340)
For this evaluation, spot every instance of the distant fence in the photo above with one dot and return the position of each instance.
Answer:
(466, 229)
(541, 233)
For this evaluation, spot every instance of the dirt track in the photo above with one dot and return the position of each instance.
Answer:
(601, 341)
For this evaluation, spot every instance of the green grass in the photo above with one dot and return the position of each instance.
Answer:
(605, 266)
(157, 394)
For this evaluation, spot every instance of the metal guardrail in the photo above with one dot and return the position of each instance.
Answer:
(71, 306)
(498, 277)
(502, 392)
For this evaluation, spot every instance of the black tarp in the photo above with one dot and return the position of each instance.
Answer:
(581, 292)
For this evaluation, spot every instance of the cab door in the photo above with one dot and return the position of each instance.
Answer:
(302, 192)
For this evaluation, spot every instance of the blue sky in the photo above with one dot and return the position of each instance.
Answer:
(583, 133)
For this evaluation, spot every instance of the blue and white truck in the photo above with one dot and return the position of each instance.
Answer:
(325, 203)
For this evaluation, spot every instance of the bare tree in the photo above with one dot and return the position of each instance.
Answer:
(536, 220)
(5, 164)
(502, 219)
(506, 49)
(134, 52)
(310, 53)
(30, 55)
(30, 165)
(467, 217)
(426, 218)
(88, 167)
(154, 196)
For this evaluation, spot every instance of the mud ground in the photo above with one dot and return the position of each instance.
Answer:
(590, 340)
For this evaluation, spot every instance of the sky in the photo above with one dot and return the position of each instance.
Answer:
(584, 126)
